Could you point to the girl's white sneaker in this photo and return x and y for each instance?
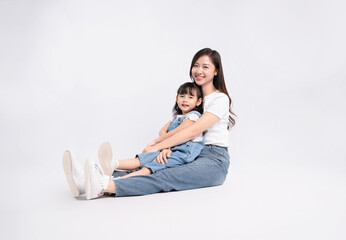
(95, 180)
(74, 173)
(106, 158)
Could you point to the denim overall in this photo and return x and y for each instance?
(181, 154)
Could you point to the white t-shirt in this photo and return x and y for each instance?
(217, 103)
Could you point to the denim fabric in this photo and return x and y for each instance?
(181, 154)
(209, 169)
(176, 121)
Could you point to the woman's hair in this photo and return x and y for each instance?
(188, 88)
(218, 81)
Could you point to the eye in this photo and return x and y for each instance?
(205, 67)
(195, 65)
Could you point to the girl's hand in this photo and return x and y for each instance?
(164, 154)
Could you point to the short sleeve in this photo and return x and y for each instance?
(219, 106)
(192, 116)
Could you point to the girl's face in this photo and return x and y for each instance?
(203, 71)
(187, 102)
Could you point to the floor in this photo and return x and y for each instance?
(272, 202)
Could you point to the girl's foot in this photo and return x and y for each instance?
(95, 180)
(74, 173)
(107, 160)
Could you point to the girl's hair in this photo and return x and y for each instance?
(218, 81)
(188, 88)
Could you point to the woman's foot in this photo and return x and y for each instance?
(95, 180)
(74, 173)
(107, 160)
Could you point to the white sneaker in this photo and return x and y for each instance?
(95, 180)
(74, 173)
(106, 158)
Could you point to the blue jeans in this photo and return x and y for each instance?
(181, 154)
(209, 169)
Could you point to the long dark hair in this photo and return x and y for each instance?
(187, 88)
(218, 81)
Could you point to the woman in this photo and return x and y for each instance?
(210, 167)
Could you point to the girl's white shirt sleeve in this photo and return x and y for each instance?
(192, 116)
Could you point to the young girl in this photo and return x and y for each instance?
(187, 109)
(210, 168)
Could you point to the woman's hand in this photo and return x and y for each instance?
(151, 149)
(152, 143)
(162, 157)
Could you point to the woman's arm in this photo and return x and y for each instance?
(202, 124)
(186, 123)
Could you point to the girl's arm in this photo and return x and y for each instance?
(202, 124)
(164, 129)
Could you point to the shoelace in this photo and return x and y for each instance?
(100, 175)
(100, 178)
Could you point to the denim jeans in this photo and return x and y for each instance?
(209, 169)
(181, 154)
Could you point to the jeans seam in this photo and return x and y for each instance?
(186, 150)
(217, 153)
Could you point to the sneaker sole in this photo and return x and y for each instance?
(87, 173)
(67, 165)
(105, 157)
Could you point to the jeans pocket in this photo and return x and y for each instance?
(220, 153)
(216, 152)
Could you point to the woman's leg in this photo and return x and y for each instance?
(111, 186)
(209, 169)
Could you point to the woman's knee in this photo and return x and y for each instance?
(216, 177)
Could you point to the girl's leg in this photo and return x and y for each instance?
(129, 164)
(142, 171)
(109, 164)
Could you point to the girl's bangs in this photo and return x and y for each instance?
(187, 90)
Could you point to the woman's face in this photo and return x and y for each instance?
(203, 71)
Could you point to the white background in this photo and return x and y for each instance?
(76, 73)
